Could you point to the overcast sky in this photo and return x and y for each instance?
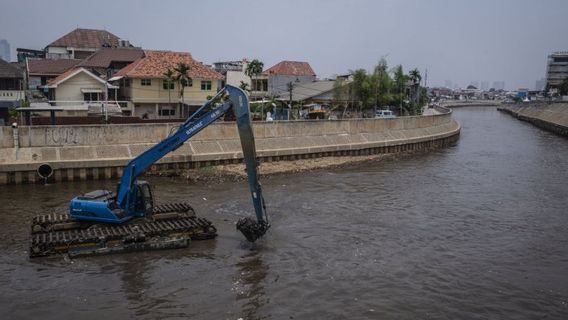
(462, 41)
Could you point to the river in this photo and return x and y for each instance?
(474, 231)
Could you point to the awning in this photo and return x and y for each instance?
(115, 78)
(92, 90)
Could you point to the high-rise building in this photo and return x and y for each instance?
(540, 84)
(557, 69)
(484, 85)
(4, 50)
(499, 85)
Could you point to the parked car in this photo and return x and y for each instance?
(384, 114)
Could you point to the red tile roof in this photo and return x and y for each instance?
(155, 63)
(50, 67)
(86, 38)
(291, 68)
(104, 57)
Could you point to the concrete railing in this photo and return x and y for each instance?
(87, 147)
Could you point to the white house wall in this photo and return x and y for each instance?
(70, 90)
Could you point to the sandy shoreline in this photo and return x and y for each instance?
(236, 172)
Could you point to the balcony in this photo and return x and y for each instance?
(11, 95)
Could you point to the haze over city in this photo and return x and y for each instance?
(461, 41)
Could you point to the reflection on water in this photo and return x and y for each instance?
(478, 230)
(249, 284)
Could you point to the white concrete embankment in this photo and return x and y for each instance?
(549, 116)
(100, 151)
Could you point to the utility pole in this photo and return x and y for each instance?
(290, 89)
(401, 95)
(105, 102)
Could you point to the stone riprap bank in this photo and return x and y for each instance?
(549, 116)
(101, 151)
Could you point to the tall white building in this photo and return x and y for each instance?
(5, 50)
(557, 69)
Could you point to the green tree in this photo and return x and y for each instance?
(342, 94)
(382, 85)
(362, 89)
(244, 86)
(400, 80)
(415, 78)
(183, 79)
(253, 69)
(170, 78)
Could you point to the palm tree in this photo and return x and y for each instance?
(183, 79)
(169, 75)
(415, 77)
(254, 68)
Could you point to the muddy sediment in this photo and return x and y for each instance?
(237, 172)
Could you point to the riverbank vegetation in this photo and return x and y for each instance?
(383, 88)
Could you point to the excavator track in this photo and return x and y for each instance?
(62, 221)
(171, 226)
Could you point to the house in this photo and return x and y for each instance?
(40, 71)
(80, 92)
(107, 61)
(234, 72)
(11, 88)
(151, 96)
(81, 43)
(276, 80)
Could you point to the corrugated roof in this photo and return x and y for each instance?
(305, 90)
(50, 67)
(8, 70)
(104, 57)
(291, 68)
(86, 38)
(155, 63)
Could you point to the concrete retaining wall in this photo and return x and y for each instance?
(552, 117)
(470, 103)
(100, 151)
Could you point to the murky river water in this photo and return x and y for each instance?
(476, 231)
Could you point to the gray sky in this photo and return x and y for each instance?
(457, 40)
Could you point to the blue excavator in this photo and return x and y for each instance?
(105, 222)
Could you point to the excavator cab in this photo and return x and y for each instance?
(144, 203)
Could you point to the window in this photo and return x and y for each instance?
(260, 85)
(165, 85)
(167, 111)
(187, 82)
(206, 85)
(90, 96)
(145, 82)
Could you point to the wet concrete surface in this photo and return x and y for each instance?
(475, 231)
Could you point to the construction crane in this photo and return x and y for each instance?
(102, 221)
